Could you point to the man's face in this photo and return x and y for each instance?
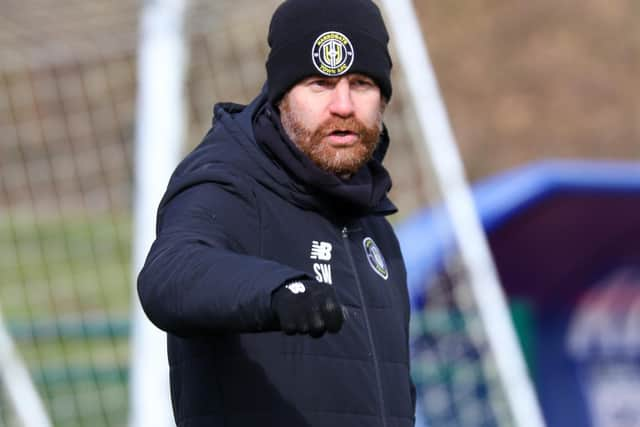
(336, 121)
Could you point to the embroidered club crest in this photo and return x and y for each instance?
(376, 260)
(332, 53)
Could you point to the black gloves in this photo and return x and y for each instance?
(307, 307)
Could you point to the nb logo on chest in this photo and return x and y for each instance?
(321, 251)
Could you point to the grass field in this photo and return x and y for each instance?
(65, 296)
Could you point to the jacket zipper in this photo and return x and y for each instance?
(376, 367)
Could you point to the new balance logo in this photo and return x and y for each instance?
(321, 250)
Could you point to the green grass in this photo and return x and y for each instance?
(65, 291)
(65, 266)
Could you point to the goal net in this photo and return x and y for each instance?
(67, 119)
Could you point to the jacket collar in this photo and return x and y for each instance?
(279, 165)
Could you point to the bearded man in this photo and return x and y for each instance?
(275, 274)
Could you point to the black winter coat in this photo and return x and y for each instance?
(233, 226)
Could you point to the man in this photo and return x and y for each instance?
(275, 274)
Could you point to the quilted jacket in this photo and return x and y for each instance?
(244, 213)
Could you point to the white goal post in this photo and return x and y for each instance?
(474, 250)
(21, 391)
(160, 133)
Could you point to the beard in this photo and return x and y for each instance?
(343, 161)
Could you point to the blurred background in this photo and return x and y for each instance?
(522, 81)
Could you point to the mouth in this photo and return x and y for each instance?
(342, 138)
(340, 132)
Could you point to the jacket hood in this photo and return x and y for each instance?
(231, 150)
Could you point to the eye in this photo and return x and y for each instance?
(320, 83)
(362, 82)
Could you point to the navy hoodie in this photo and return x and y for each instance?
(243, 213)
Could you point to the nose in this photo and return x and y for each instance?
(341, 102)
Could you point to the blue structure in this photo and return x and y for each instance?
(565, 236)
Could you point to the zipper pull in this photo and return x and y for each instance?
(345, 230)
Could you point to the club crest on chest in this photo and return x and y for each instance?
(375, 258)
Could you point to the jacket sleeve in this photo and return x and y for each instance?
(203, 273)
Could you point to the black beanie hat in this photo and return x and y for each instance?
(327, 37)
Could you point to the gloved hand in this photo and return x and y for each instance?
(307, 307)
